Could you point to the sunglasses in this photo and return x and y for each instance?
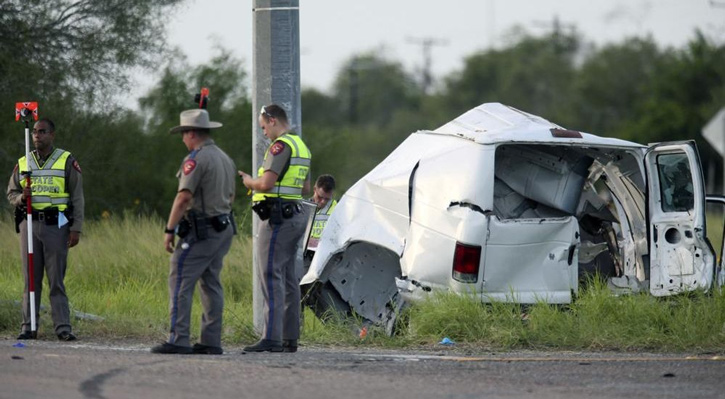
(264, 111)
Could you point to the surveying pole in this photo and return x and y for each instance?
(26, 110)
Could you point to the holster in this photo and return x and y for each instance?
(269, 209)
(19, 217)
(275, 212)
(184, 228)
(69, 214)
(261, 209)
(201, 227)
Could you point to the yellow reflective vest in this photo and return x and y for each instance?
(48, 181)
(289, 186)
(321, 217)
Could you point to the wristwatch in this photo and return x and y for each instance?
(169, 231)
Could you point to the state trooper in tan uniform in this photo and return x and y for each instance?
(201, 216)
(57, 201)
(281, 181)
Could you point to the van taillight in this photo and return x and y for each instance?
(466, 261)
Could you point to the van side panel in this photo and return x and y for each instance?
(532, 259)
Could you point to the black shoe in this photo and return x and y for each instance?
(201, 349)
(66, 336)
(265, 345)
(167, 348)
(289, 345)
(28, 335)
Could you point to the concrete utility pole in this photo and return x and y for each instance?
(276, 79)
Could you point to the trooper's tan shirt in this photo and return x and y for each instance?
(74, 185)
(277, 162)
(209, 174)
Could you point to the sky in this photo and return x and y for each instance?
(331, 31)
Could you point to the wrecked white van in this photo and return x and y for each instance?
(512, 207)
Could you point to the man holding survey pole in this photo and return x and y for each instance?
(56, 193)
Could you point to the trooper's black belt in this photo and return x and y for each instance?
(48, 215)
(219, 222)
(276, 209)
(288, 206)
(200, 225)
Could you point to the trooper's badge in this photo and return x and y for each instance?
(276, 148)
(189, 166)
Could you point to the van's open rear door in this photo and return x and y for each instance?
(681, 258)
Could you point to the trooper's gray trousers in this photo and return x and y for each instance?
(277, 275)
(199, 260)
(50, 255)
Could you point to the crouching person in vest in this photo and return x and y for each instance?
(57, 203)
(322, 195)
(278, 190)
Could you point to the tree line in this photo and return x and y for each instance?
(80, 61)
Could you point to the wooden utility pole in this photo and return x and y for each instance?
(426, 44)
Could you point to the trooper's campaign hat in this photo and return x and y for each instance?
(194, 119)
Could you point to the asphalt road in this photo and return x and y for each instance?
(50, 369)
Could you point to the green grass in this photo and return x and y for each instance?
(119, 272)
(596, 320)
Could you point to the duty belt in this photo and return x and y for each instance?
(201, 224)
(276, 209)
(48, 215)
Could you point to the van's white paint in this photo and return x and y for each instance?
(499, 178)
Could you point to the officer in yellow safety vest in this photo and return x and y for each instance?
(322, 195)
(278, 190)
(57, 203)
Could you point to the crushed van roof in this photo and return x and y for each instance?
(494, 123)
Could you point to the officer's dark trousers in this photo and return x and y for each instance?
(200, 261)
(277, 275)
(50, 254)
